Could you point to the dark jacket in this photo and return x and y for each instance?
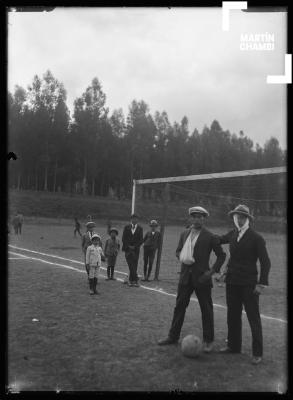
(152, 240)
(242, 269)
(129, 239)
(206, 242)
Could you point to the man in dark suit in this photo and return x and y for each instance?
(243, 286)
(194, 249)
(132, 239)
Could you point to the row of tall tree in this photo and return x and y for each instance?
(95, 152)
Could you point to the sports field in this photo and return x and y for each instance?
(62, 339)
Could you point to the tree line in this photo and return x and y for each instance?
(96, 152)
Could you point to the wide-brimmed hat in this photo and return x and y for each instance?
(241, 209)
(113, 230)
(96, 236)
(90, 224)
(198, 210)
(153, 223)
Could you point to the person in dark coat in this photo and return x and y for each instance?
(86, 241)
(243, 285)
(76, 227)
(194, 249)
(151, 242)
(132, 239)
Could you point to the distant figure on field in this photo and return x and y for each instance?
(17, 222)
(93, 261)
(132, 239)
(151, 244)
(77, 227)
(112, 247)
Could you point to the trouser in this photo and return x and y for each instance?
(87, 268)
(238, 296)
(19, 228)
(148, 259)
(93, 271)
(15, 229)
(132, 261)
(77, 230)
(204, 296)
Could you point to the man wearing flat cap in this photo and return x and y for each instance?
(86, 240)
(195, 246)
(132, 239)
(243, 285)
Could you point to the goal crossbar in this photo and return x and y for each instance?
(230, 174)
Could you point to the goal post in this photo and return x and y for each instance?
(165, 198)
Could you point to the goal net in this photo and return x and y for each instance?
(167, 200)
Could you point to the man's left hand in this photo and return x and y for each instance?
(259, 289)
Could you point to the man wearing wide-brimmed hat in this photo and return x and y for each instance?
(151, 242)
(243, 285)
(86, 240)
(195, 246)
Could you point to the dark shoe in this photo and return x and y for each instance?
(113, 279)
(167, 341)
(136, 284)
(107, 279)
(208, 347)
(256, 360)
(227, 350)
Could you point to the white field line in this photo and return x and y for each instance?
(18, 258)
(158, 290)
(58, 257)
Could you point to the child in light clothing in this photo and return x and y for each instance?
(93, 259)
(112, 247)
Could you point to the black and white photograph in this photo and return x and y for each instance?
(147, 199)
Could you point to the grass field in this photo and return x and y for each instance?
(108, 342)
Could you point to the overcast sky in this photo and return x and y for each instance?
(178, 60)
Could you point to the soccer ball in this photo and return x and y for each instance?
(191, 346)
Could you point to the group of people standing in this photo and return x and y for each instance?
(243, 283)
(132, 239)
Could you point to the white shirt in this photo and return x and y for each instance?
(93, 255)
(242, 229)
(133, 228)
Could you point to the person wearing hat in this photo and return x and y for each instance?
(194, 248)
(132, 239)
(93, 260)
(243, 285)
(151, 242)
(86, 240)
(112, 247)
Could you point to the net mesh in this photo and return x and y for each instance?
(265, 195)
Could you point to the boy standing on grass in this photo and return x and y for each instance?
(151, 243)
(93, 260)
(112, 247)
